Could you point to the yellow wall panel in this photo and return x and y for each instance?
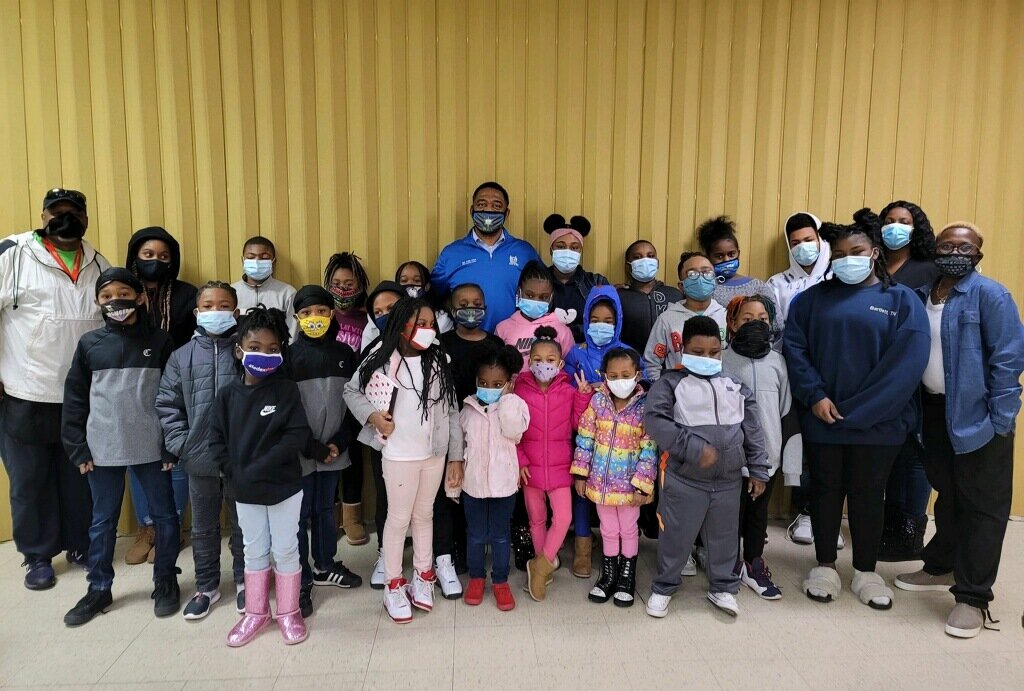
(362, 126)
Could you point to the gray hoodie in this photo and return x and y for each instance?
(665, 345)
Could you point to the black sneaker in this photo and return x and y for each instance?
(200, 604)
(306, 600)
(95, 602)
(39, 575)
(240, 599)
(166, 596)
(79, 559)
(338, 576)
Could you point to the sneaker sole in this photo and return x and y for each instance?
(757, 590)
(657, 613)
(961, 633)
(377, 586)
(689, 573)
(450, 596)
(915, 588)
(324, 584)
(623, 603)
(45, 586)
(420, 606)
(75, 624)
(730, 612)
(196, 617)
(399, 621)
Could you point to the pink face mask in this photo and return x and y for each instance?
(543, 371)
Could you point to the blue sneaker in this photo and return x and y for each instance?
(79, 559)
(756, 576)
(39, 575)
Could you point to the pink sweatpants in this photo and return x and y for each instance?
(546, 540)
(411, 487)
(619, 523)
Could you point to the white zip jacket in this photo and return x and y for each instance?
(43, 314)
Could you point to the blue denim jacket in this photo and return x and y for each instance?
(982, 357)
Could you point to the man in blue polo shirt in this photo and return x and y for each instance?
(488, 255)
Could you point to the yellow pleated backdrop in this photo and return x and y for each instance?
(365, 125)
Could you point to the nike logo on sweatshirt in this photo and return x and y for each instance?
(268, 410)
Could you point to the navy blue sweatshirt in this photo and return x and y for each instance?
(865, 348)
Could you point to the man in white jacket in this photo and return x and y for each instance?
(47, 280)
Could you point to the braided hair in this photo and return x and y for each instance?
(922, 240)
(434, 360)
(269, 318)
(732, 310)
(865, 223)
(350, 261)
(159, 301)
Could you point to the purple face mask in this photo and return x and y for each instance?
(543, 371)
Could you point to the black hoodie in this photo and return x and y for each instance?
(183, 295)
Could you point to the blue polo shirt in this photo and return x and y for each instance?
(494, 268)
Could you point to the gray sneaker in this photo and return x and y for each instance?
(965, 621)
(922, 581)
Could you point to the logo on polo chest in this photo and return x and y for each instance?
(513, 260)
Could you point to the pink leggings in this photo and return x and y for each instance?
(619, 523)
(411, 486)
(547, 541)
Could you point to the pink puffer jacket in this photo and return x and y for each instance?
(547, 444)
(491, 434)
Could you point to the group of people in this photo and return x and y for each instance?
(502, 402)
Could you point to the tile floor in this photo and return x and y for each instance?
(564, 643)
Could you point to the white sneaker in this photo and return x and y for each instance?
(657, 605)
(377, 580)
(691, 567)
(800, 530)
(840, 542)
(447, 579)
(396, 601)
(422, 591)
(725, 602)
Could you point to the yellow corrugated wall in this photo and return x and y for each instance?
(365, 125)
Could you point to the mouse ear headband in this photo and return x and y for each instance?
(557, 227)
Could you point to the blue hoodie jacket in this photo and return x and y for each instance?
(588, 358)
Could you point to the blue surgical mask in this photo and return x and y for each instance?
(699, 287)
(488, 396)
(566, 261)
(896, 235)
(470, 317)
(216, 322)
(488, 222)
(532, 309)
(258, 269)
(727, 269)
(852, 270)
(601, 334)
(806, 253)
(644, 269)
(704, 366)
(260, 365)
(380, 322)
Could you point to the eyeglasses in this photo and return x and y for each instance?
(965, 248)
(706, 273)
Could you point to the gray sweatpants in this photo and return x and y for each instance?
(684, 510)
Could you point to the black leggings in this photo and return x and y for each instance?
(754, 519)
(352, 476)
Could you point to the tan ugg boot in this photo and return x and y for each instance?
(144, 541)
(352, 524)
(581, 557)
(538, 573)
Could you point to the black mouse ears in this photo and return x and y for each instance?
(556, 221)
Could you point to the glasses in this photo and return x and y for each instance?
(706, 273)
(965, 248)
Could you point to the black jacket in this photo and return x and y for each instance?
(257, 435)
(573, 296)
(640, 310)
(183, 295)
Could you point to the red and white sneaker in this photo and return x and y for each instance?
(396, 601)
(422, 590)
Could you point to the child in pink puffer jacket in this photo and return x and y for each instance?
(545, 452)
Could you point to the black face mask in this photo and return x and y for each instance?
(954, 265)
(753, 340)
(65, 227)
(153, 269)
(119, 310)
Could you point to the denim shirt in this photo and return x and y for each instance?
(982, 357)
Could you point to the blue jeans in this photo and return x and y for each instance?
(489, 521)
(580, 515)
(270, 531)
(908, 489)
(317, 516)
(179, 483)
(107, 484)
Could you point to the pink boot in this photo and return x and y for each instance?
(289, 617)
(257, 609)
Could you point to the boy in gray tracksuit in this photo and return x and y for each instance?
(706, 425)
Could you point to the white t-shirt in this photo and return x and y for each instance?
(934, 377)
(411, 439)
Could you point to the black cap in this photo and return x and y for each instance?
(116, 273)
(59, 194)
(312, 295)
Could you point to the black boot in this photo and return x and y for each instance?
(901, 544)
(522, 546)
(166, 596)
(920, 527)
(306, 600)
(94, 602)
(605, 586)
(626, 585)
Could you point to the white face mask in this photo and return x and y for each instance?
(621, 388)
(422, 338)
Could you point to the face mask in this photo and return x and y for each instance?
(65, 227)
(422, 338)
(704, 366)
(260, 365)
(470, 317)
(566, 261)
(153, 269)
(119, 310)
(258, 269)
(543, 371)
(414, 291)
(621, 388)
(644, 269)
(215, 322)
(699, 287)
(343, 300)
(727, 269)
(532, 309)
(752, 340)
(806, 253)
(488, 222)
(381, 321)
(601, 334)
(316, 326)
(896, 235)
(954, 265)
(488, 396)
(852, 270)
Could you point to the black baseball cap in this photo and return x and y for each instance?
(59, 194)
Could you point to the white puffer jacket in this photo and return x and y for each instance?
(43, 314)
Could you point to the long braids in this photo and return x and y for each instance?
(160, 301)
(352, 262)
(434, 360)
(865, 223)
